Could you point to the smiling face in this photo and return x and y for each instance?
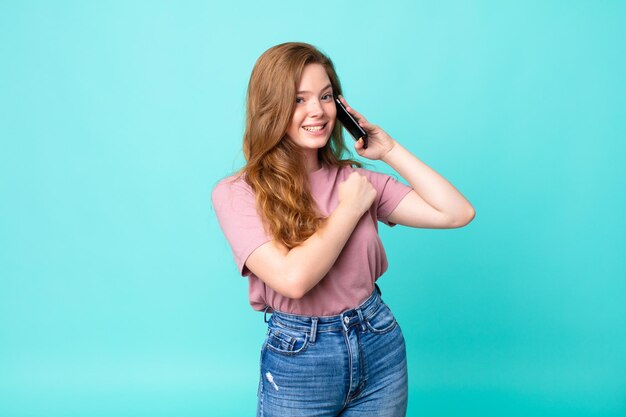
(313, 119)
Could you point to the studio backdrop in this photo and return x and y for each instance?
(119, 295)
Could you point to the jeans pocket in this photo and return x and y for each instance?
(382, 320)
(286, 341)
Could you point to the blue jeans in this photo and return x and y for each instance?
(351, 364)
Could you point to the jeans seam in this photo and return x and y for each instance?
(364, 365)
(261, 383)
(345, 338)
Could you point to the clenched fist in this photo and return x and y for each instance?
(357, 193)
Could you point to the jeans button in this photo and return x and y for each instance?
(346, 319)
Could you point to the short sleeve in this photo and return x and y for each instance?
(389, 194)
(235, 206)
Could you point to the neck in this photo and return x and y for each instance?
(311, 162)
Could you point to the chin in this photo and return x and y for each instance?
(318, 144)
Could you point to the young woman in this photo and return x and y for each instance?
(302, 224)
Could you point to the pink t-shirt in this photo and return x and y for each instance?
(361, 262)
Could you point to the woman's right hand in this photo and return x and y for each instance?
(357, 193)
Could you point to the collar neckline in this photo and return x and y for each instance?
(322, 168)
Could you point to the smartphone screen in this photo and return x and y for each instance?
(349, 123)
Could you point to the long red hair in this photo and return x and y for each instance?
(274, 167)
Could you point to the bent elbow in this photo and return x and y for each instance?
(297, 280)
(465, 220)
(295, 288)
(294, 292)
(460, 220)
(471, 215)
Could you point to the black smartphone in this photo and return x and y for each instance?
(349, 122)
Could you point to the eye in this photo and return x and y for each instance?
(299, 100)
(327, 96)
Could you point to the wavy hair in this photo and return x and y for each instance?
(274, 165)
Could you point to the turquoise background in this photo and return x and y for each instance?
(119, 295)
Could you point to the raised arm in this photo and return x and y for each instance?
(292, 273)
(434, 202)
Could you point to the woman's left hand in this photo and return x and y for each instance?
(379, 142)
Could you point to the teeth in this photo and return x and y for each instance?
(313, 128)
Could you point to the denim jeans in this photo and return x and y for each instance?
(351, 364)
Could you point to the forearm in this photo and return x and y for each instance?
(311, 261)
(426, 182)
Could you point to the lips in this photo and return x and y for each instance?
(315, 128)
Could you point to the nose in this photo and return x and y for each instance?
(315, 108)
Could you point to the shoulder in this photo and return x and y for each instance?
(346, 170)
(373, 176)
(232, 183)
(385, 183)
(231, 187)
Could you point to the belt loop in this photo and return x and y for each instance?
(313, 329)
(361, 319)
(265, 314)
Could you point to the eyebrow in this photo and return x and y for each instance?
(300, 92)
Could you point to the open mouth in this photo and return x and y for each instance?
(315, 129)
